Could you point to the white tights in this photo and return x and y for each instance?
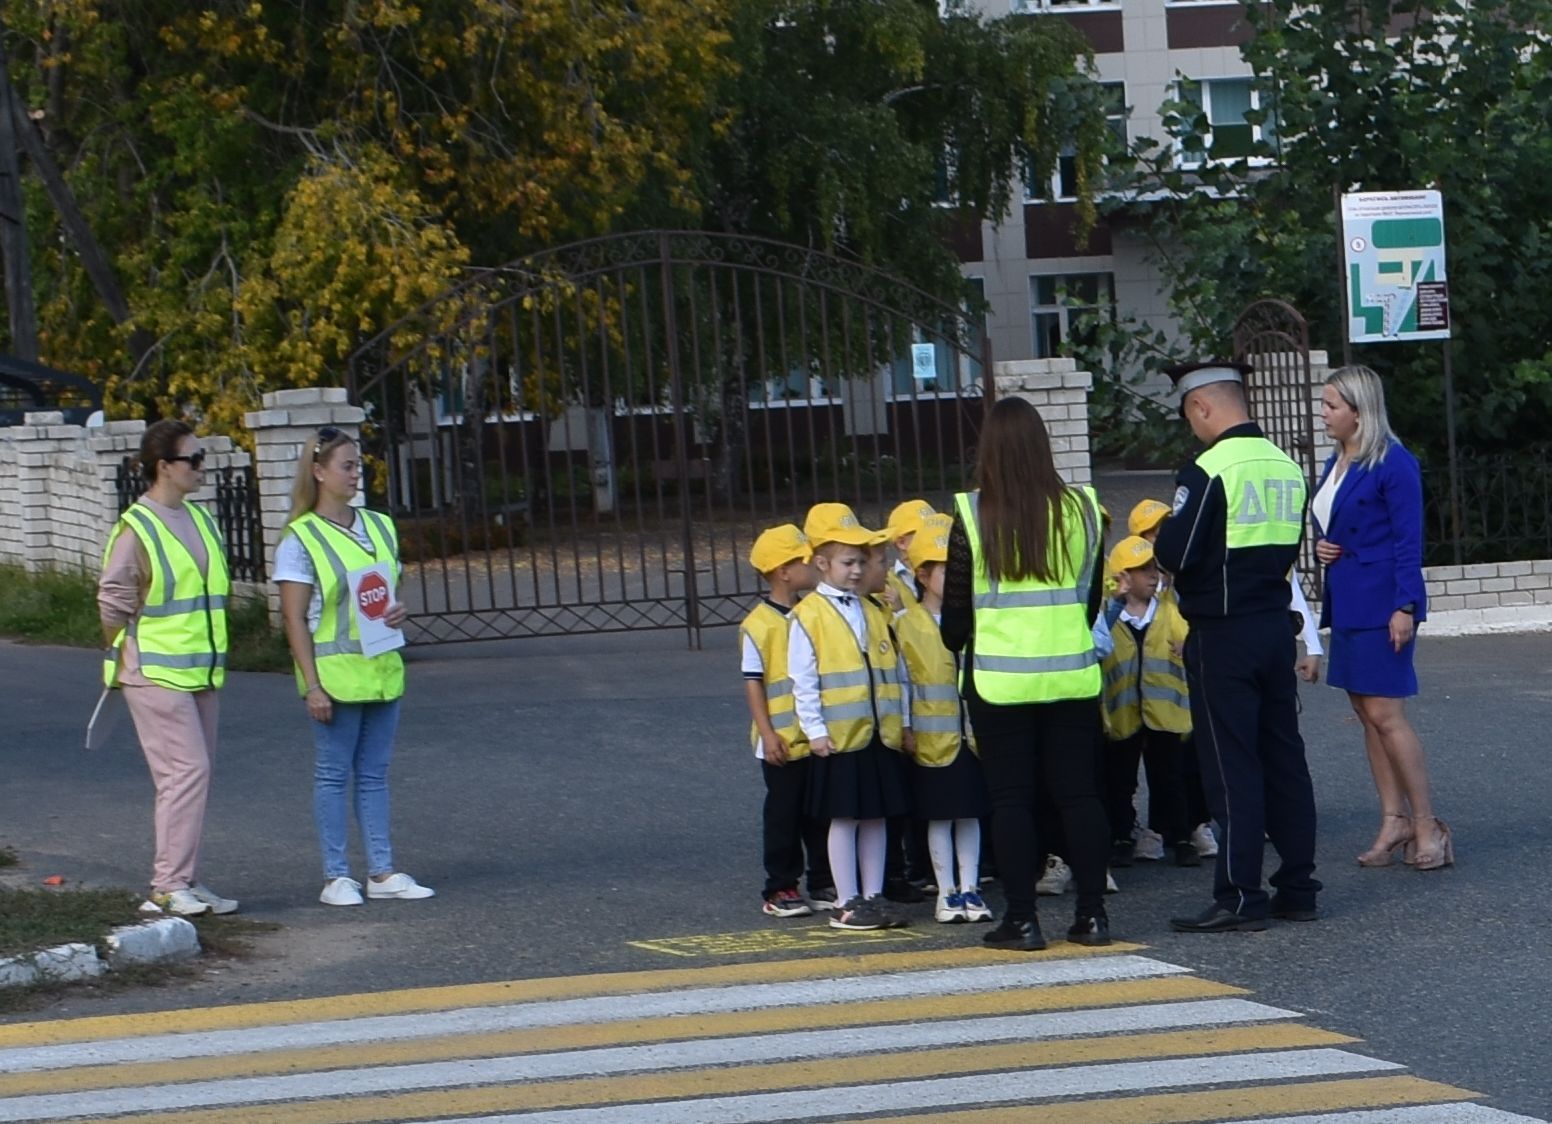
(947, 838)
(852, 841)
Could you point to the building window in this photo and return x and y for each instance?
(1063, 183)
(1227, 103)
(1029, 6)
(1062, 303)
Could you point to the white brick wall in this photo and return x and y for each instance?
(1489, 597)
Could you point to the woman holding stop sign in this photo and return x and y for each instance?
(352, 697)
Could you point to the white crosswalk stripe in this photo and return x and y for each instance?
(1071, 1036)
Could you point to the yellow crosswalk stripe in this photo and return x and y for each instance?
(595, 1035)
(419, 1000)
(868, 1069)
(1348, 1094)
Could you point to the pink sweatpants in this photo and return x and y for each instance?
(177, 732)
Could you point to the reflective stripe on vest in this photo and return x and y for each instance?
(1147, 689)
(1014, 616)
(767, 629)
(855, 687)
(1263, 488)
(181, 629)
(345, 674)
(938, 719)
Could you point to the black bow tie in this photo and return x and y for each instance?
(845, 598)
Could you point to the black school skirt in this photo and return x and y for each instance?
(956, 791)
(862, 784)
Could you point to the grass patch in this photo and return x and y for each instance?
(60, 607)
(34, 919)
(229, 937)
(9, 857)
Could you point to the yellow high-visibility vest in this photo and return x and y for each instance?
(181, 628)
(938, 718)
(345, 674)
(1033, 640)
(768, 629)
(855, 687)
(1154, 693)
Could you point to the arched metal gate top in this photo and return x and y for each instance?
(588, 439)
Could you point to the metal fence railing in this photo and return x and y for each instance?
(236, 508)
(1505, 507)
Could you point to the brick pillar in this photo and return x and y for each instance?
(1061, 393)
(1320, 370)
(286, 420)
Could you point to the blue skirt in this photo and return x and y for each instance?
(1362, 661)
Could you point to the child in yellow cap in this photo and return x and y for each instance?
(782, 557)
(905, 521)
(950, 792)
(849, 690)
(1147, 709)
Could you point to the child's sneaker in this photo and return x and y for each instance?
(786, 903)
(1110, 884)
(975, 907)
(823, 899)
(180, 903)
(215, 901)
(1204, 840)
(1149, 846)
(860, 914)
(1056, 879)
(951, 909)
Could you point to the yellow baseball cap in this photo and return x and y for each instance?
(777, 546)
(1129, 553)
(930, 543)
(1146, 516)
(907, 518)
(835, 522)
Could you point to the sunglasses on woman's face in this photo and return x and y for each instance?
(195, 461)
(325, 435)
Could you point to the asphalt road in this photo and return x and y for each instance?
(568, 796)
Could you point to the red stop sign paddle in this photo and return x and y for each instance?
(372, 596)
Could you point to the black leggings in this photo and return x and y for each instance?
(1048, 750)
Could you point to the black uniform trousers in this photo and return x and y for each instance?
(1245, 710)
(790, 831)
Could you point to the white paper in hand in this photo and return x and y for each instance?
(105, 718)
(371, 592)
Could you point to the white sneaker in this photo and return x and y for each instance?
(1110, 884)
(180, 903)
(1149, 846)
(215, 901)
(1056, 879)
(1204, 840)
(951, 908)
(342, 891)
(399, 885)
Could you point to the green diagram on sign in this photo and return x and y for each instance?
(1395, 263)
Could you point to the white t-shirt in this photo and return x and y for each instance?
(294, 564)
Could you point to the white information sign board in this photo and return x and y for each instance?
(1393, 254)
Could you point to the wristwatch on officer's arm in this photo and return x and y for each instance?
(1409, 608)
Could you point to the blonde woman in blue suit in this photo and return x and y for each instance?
(1368, 515)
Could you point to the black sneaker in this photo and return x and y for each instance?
(1121, 852)
(1185, 854)
(1090, 930)
(902, 891)
(1024, 936)
(859, 915)
(891, 919)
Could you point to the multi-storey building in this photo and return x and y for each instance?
(1035, 275)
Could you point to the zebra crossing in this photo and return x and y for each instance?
(962, 1036)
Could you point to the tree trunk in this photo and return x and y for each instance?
(13, 230)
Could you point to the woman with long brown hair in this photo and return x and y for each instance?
(1021, 589)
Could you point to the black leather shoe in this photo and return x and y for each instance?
(1094, 930)
(1185, 854)
(1121, 853)
(1285, 911)
(1216, 919)
(1025, 936)
(902, 891)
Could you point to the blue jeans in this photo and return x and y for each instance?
(360, 739)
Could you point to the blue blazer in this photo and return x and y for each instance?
(1377, 520)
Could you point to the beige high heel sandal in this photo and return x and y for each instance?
(1437, 859)
(1384, 856)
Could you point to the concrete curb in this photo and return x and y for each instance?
(151, 942)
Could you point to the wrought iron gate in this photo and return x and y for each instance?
(588, 440)
(1273, 337)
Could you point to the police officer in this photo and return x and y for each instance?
(1231, 541)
